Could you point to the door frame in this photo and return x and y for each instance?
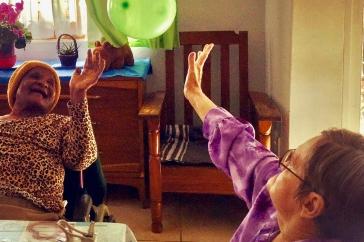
(352, 64)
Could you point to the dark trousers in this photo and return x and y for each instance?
(94, 184)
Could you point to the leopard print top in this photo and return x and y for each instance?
(35, 150)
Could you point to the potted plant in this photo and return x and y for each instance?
(67, 52)
(12, 33)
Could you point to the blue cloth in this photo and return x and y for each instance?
(141, 68)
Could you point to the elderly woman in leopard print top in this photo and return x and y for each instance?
(36, 145)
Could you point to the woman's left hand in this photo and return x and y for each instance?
(83, 80)
(192, 85)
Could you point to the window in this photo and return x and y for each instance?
(48, 19)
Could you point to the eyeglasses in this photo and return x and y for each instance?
(285, 162)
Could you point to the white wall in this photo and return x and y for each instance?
(322, 76)
(353, 65)
(317, 68)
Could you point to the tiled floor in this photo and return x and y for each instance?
(198, 218)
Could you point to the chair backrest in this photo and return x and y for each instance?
(223, 39)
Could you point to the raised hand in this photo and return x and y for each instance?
(83, 80)
(195, 69)
(192, 89)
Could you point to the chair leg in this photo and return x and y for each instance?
(155, 175)
(156, 195)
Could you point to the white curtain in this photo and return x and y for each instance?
(47, 19)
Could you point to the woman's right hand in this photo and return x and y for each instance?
(192, 85)
(83, 80)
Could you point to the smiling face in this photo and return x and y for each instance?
(283, 187)
(36, 91)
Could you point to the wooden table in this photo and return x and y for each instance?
(30, 231)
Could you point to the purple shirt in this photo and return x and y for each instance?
(234, 150)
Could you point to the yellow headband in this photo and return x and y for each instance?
(18, 75)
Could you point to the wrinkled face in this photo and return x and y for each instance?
(283, 187)
(36, 90)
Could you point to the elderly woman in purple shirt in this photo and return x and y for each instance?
(313, 193)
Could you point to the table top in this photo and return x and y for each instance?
(31, 231)
(140, 69)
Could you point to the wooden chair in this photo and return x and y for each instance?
(256, 107)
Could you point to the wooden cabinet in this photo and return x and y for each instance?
(114, 104)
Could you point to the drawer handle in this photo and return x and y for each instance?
(93, 122)
(94, 97)
(62, 97)
(67, 97)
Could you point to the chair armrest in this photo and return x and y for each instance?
(264, 107)
(266, 119)
(152, 105)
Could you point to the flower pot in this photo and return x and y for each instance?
(68, 60)
(7, 56)
(69, 57)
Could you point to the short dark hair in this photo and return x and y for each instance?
(335, 170)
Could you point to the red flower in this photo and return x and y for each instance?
(11, 30)
(5, 8)
(19, 6)
(8, 14)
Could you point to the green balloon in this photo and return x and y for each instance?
(142, 19)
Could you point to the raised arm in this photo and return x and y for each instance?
(79, 145)
(232, 145)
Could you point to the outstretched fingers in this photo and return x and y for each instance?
(191, 61)
(96, 59)
(88, 61)
(202, 57)
(77, 72)
(101, 63)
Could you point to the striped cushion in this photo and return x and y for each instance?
(184, 145)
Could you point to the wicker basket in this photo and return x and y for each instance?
(69, 59)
